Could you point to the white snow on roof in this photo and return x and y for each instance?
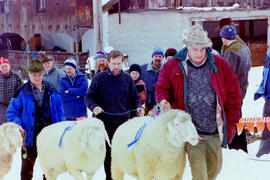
(105, 1)
(235, 6)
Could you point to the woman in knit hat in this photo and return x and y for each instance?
(9, 82)
(135, 73)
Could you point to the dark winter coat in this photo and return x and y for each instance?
(264, 89)
(73, 101)
(21, 109)
(172, 84)
(8, 86)
(54, 76)
(238, 55)
(150, 77)
(114, 94)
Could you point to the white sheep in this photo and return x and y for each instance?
(159, 153)
(10, 140)
(82, 148)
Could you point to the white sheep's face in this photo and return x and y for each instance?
(96, 139)
(190, 133)
(181, 129)
(11, 135)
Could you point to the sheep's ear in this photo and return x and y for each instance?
(174, 137)
(84, 140)
(106, 137)
(4, 138)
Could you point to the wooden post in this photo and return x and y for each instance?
(119, 11)
(98, 25)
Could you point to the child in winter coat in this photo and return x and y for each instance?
(135, 73)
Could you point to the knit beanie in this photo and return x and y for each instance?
(158, 51)
(228, 32)
(4, 60)
(100, 54)
(135, 67)
(196, 37)
(71, 62)
(170, 52)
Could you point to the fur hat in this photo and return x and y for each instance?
(228, 32)
(158, 51)
(135, 67)
(4, 60)
(170, 52)
(71, 62)
(100, 54)
(35, 66)
(196, 37)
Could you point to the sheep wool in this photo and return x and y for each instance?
(82, 148)
(159, 153)
(10, 140)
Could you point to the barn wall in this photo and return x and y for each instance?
(140, 33)
(67, 16)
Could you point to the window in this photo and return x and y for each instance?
(41, 6)
(4, 6)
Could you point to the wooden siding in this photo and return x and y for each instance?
(151, 4)
(73, 17)
(19, 60)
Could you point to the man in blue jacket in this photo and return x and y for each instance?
(35, 105)
(72, 88)
(264, 91)
(150, 72)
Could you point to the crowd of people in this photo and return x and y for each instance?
(210, 87)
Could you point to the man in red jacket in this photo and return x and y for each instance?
(205, 86)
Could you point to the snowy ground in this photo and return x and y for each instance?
(236, 164)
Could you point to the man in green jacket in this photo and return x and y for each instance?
(237, 54)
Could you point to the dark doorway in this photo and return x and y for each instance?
(253, 32)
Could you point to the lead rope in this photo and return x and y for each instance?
(24, 147)
(190, 154)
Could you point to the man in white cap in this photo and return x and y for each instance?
(72, 88)
(205, 86)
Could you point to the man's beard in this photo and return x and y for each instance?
(102, 67)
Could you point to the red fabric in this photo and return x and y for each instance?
(170, 86)
(3, 60)
(142, 94)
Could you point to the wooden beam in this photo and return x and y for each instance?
(98, 25)
(108, 5)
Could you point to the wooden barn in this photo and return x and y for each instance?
(30, 19)
(140, 25)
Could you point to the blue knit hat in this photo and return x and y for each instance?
(157, 51)
(100, 54)
(228, 32)
(71, 62)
